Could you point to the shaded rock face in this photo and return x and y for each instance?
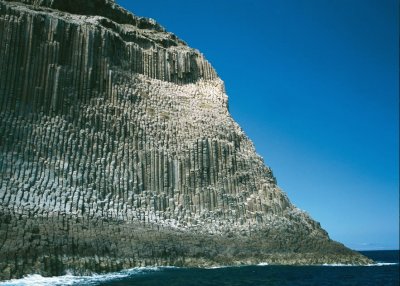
(117, 150)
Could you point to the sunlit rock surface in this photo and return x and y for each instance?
(117, 150)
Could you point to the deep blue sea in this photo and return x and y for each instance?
(384, 272)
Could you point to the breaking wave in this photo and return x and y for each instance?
(69, 279)
(355, 265)
(383, 264)
(263, 264)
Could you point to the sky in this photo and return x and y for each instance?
(315, 86)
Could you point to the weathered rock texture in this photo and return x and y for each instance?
(117, 150)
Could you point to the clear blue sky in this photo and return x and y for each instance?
(315, 85)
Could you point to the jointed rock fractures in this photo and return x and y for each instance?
(117, 150)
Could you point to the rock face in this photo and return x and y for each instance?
(117, 150)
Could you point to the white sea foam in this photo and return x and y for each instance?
(338, 265)
(217, 267)
(38, 280)
(262, 264)
(355, 265)
(383, 264)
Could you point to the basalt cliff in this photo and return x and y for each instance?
(117, 150)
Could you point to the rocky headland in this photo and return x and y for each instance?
(117, 150)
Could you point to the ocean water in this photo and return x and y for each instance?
(384, 272)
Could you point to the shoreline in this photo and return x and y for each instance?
(103, 277)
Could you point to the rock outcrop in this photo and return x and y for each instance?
(117, 150)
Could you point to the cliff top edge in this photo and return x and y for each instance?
(104, 8)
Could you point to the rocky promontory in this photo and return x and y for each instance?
(117, 150)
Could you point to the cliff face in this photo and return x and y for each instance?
(117, 150)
